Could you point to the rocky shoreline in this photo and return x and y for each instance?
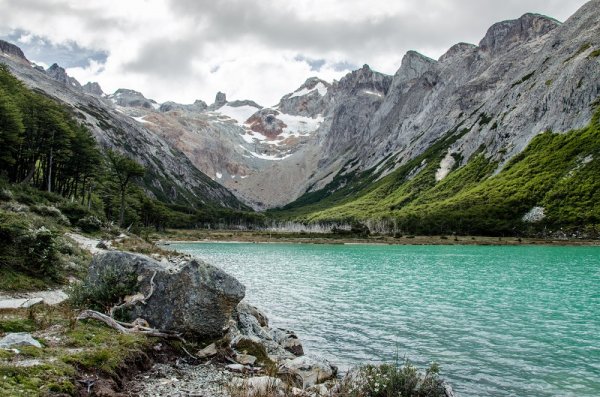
(194, 335)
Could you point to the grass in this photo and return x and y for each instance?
(70, 348)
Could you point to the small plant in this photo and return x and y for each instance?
(392, 380)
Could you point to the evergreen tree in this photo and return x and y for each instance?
(124, 170)
(11, 130)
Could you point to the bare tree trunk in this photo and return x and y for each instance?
(50, 165)
(122, 212)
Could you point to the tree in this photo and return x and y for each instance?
(124, 170)
(11, 130)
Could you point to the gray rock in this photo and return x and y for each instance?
(208, 351)
(12, 50)
(133, 99)
(92, 88)
(311, 370)
(250, 323)
(220, 100)
(195, 299)
(245, 359)
(17, 339)
(17, 303)
(59, 74)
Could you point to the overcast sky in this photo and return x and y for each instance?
(184, 50)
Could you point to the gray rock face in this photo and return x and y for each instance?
(196, 299)
(504, 35)
(197, 106)
(130, 98)
(312, 370)
(92, 88)
(59, 74)
(17, 339)
(12, 50)
(220, 100)
(310, 99)
(250, 323)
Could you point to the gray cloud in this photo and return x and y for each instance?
(166, 57)
(184, 49)
(437, 24)
(67, 55)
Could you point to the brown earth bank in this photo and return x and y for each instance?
(178, 235)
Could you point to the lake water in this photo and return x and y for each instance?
(501, 321)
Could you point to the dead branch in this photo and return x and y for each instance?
(134, 329)
(134, 298)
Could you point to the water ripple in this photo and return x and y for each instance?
(501, 321)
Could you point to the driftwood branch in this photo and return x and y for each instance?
(124, 327)
(152, 285)
(134, 299)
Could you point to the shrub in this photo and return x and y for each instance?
(52, 212)
(90, 224)
(108, 291)
(392, 380)
(28, 250)
(74, 211)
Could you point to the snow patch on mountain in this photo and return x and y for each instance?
(320, 88)
(238, 113)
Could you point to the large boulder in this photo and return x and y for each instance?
(193, 297)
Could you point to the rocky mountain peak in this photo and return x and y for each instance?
(93, 88)
(12, 50)
(197, 107)
(58, 73)
(220, 99)
(414, 65)
(504, 35)
(131, 98)
(365, 79)
(457, 50)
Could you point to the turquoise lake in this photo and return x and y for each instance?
(500, 321)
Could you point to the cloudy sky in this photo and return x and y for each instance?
(184, 50)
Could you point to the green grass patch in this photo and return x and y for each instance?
(87, 346)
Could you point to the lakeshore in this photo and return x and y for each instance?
(231, 236)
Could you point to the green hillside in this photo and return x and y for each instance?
(557, 171)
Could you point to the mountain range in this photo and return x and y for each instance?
(371, 145)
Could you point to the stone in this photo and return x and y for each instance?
(312, 370)
(194, 298)
(208, 351)
(248, 322)
(237, 367)
(16, 339)
(17, 303)
(245, 359)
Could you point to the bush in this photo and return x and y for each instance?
(90, 224)
(28, 250)
(52, 212)
(74, 211)
(108, 291)
(392, 380)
